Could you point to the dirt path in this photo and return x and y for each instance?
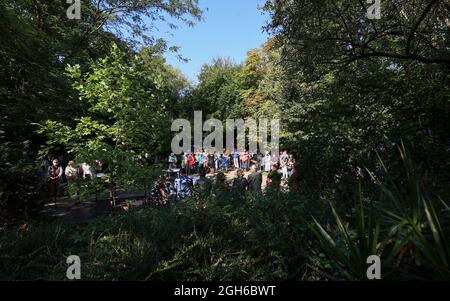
(72, 211)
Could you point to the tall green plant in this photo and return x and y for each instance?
(350, 249)
(409, 232)
(415, 219)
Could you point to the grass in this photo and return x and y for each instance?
(215, 239)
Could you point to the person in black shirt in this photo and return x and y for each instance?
(203, 186)
(274, 179)
(254, 180)
(240, 182)
(211, 163)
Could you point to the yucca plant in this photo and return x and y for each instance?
(409, 232)
(350, 249)
(417, 225)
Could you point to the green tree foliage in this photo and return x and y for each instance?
(353, 86)
(127, 115)
(37, 41)
(176, 85)
(248, 90)
(217, 93)
(261, 82)
(319, 35)
(19, 191)
(346, 88)
(137, 17)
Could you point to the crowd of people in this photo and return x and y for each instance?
(55, 171)
(280, 169)
(214, 161)
(192, 170)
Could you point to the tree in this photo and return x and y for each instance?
(37, 41)
(217, 93)
(353, 86)
(320, 35)
(260, 77)
(127, 116)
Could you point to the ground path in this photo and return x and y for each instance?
(73, 211)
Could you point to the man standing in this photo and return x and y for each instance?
(240, 182)
(274, 179)
(225, 162)
(217, 161)
(201, 161)
(275, 160)
(221, 183)
(236, 159)
(185, 162)
(203, 185)
(211, 163)
(291, 165)
(173, 161)
(86, 169)
(261, 162)
(183, 185)
(254, 180)
(191, 162)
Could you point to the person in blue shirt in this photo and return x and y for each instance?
(225, 162)
(183, 185)
(201, 160)
(236, 159)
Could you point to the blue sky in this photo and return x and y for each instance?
(230, 28)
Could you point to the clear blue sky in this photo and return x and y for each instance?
(230, 28)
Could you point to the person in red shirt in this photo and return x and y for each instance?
(191, 161)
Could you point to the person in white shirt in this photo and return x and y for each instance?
(71, 171)
(87, 171)
(267, 162)
(284, 159)
(173, 161)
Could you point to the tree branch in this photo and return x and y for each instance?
(416, 26)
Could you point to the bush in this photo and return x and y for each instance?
(244, 237)
(18, 181)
